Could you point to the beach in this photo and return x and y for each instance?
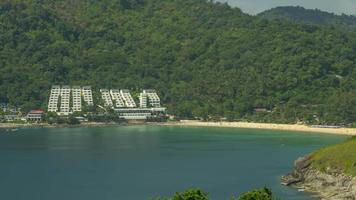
(195, 123)
(268, 126)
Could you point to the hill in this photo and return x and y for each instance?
(343, 159)
(328, 172)
(311, 16)
(204, 58)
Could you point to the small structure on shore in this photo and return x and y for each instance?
(8, 108)
(12, 117)
(35, 116)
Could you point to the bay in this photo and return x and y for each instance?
(142, 162)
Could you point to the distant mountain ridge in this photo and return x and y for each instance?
(311, 16)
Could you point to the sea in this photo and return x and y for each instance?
(142, 162)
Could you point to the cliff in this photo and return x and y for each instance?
(329, 184)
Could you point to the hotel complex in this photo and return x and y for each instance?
(125, 106)
(66, 100)
(63, 94)
(77, 99)
(88, 95)
(105, 95)
(54, 98)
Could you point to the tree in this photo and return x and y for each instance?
(192, 194)
(72, 120)
(206, 59)
(262, 194)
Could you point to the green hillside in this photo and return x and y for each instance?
(310, 16)
(205, 59)
(343, 158)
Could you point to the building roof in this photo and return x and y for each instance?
(39, 111)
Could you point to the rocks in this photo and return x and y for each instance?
(302, 164)
(289, 180)
(330, 185)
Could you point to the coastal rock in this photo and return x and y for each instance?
(329, 185)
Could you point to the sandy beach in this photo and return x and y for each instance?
(285, 127)
(194, 123)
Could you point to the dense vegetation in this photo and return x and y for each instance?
(205, 59)
(340, 158)
(302, 15)
(196, 194)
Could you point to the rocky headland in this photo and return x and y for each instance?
(327, 185)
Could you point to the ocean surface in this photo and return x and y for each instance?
(142, 162)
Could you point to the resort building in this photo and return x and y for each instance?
(126, 96)
(153, 98)
(105, 95)
(63, 97)
(53, 98)
(12, 118)
(120, 100)
(7, 108)
(35, 115)
(87, 95)
(77, 99)
(144, 112)
(139, 113)
(3, 107)
(65, 100)
(116, 97)
(143, 100)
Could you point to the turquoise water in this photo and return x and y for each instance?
(140, 162)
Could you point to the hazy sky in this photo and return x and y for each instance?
(256, 6)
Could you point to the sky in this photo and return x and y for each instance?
(335, 6)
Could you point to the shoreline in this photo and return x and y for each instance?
(194, 123)
(45, 125)
(322, 184)
(264, 126)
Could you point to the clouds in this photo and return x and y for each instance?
(256, 6)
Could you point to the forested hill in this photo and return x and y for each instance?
(311, 16)
(205, 59)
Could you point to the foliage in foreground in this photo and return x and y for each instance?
(340, 157)
(262, 194)
(197, 194)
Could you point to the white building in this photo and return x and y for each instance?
(126, 96)
(153, 98)
(53, 98)
(105, 95)
(143, 100)
(116, 97)
(139, 113)
(65, 100)
(88, 95)
(77, 99)
(35, 115)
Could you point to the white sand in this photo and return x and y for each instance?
(286, 127)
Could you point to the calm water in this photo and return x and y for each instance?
(139, 162)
